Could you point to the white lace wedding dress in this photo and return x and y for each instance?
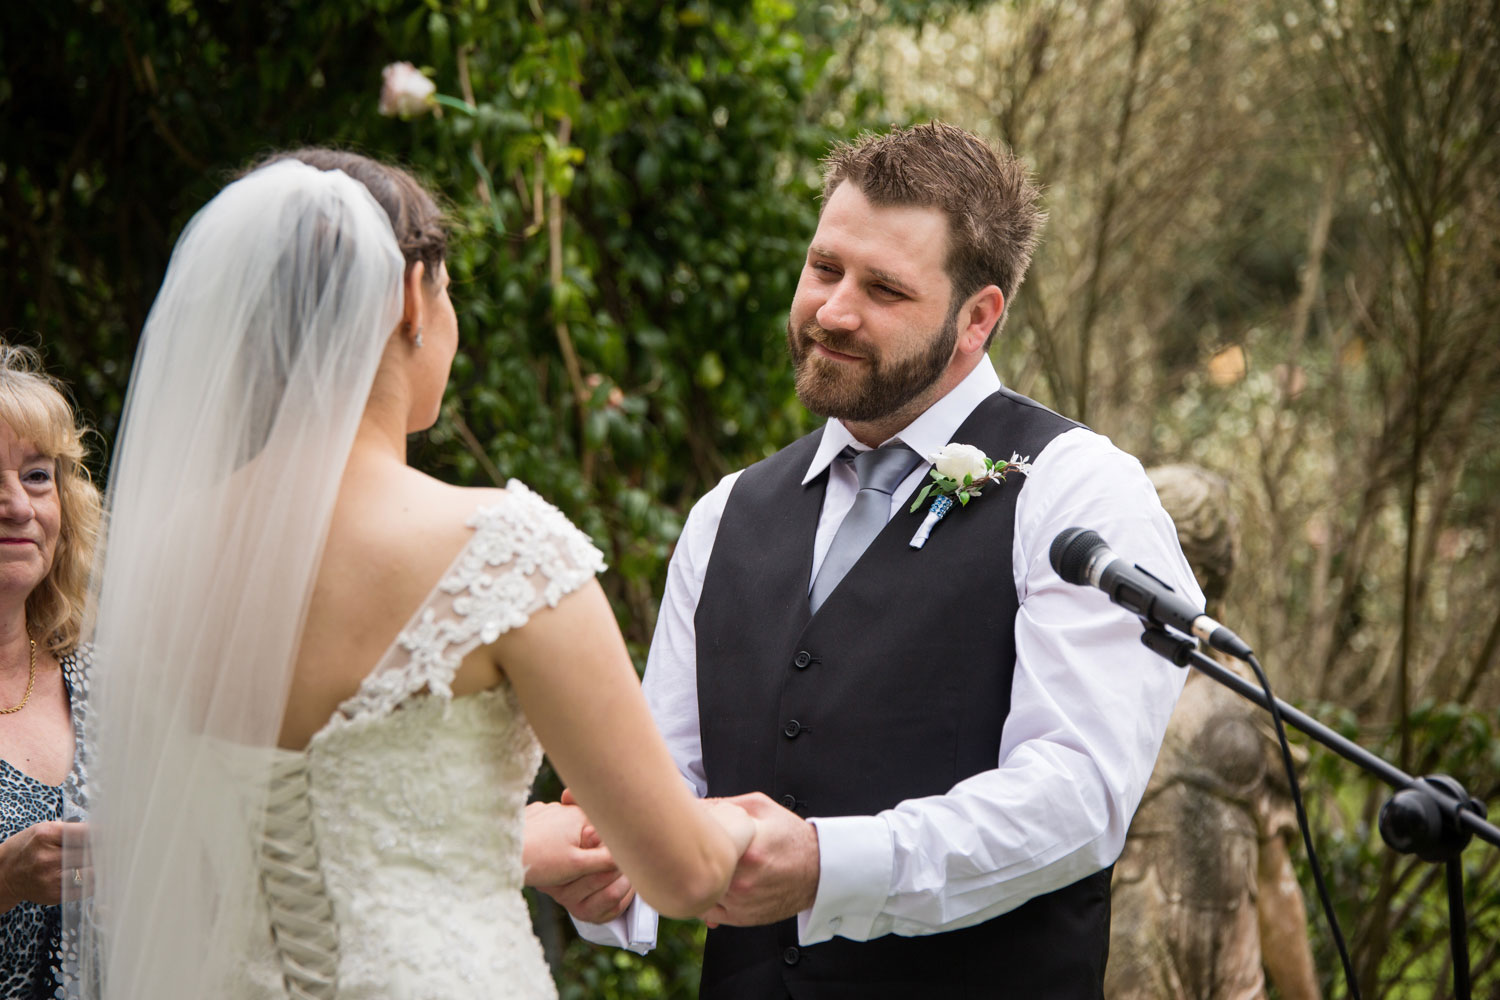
(391, 860)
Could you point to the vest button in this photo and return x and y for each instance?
(791, 956)
(803, 659)
(792, 729)
(789, 800)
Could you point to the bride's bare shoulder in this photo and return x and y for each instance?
(407, 519)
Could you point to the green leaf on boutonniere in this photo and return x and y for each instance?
(921, 496)
(963, 499)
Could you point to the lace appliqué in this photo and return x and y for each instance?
(524, 555)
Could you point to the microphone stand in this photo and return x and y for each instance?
(1431, 817)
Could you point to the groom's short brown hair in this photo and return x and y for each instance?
(994, 221)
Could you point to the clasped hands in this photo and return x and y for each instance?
(776, 877)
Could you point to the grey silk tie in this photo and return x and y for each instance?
(880, 471)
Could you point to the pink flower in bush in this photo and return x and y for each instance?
(405, 91)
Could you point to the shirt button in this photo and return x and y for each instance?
(792, 729)
(803, 659)
(791, 956)
(835, 923)
(789, 800)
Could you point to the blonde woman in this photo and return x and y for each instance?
(49, 520)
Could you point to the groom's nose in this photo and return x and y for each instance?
(839, 310)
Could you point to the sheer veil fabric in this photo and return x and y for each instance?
(253, 370)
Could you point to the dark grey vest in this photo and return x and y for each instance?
(898, 688)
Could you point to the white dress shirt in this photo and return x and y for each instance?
(1089, 703)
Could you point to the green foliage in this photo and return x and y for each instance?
(117, 121)
(1372, 884)
(611, 974)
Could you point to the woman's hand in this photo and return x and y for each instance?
(559, 845)
(735, 821)
(565, 859)
(32, 865)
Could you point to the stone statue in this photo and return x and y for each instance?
(1205, 900)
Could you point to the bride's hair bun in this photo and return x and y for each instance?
(419, 223)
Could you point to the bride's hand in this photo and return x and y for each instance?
(564, 858)
(559, 846)
(735, 821)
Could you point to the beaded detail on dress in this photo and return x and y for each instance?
(413, 798)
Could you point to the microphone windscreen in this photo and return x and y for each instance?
(1071, 550)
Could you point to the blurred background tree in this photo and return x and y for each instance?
(1273, 251)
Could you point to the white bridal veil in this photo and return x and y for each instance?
(253, 371)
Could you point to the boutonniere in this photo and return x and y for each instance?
(958, 471)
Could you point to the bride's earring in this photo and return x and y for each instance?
(417, 341)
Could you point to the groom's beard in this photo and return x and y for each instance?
(872, 390)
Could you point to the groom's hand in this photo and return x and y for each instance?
(565, 859)
(777, 876)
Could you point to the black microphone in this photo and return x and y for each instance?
(1080, 556)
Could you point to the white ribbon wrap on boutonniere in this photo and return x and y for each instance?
(958, 471)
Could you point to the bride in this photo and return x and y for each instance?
(320, 671)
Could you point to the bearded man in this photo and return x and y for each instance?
(943, 746)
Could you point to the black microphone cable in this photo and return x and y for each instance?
(1302, 824)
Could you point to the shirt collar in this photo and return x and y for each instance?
(932, 429)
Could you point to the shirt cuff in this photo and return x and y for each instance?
(855, 858)
(634, 930)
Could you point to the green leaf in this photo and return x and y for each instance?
(963, 499)
(455, 103)
(920, 497)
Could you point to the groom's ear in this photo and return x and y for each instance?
(977, 317)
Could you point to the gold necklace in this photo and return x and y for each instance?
(30, 681)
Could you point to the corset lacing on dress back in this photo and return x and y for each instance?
(302, 918)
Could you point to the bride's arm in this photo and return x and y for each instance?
(573, 676)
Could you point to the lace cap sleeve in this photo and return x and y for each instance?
(525, 555)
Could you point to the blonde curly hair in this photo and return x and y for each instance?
(33, 405)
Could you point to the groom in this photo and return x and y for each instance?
(943, 745)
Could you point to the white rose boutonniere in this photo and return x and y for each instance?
(955, 461)
(958, 471)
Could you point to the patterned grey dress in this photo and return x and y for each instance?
(30, 934)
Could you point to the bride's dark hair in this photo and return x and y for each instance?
(418, 221)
